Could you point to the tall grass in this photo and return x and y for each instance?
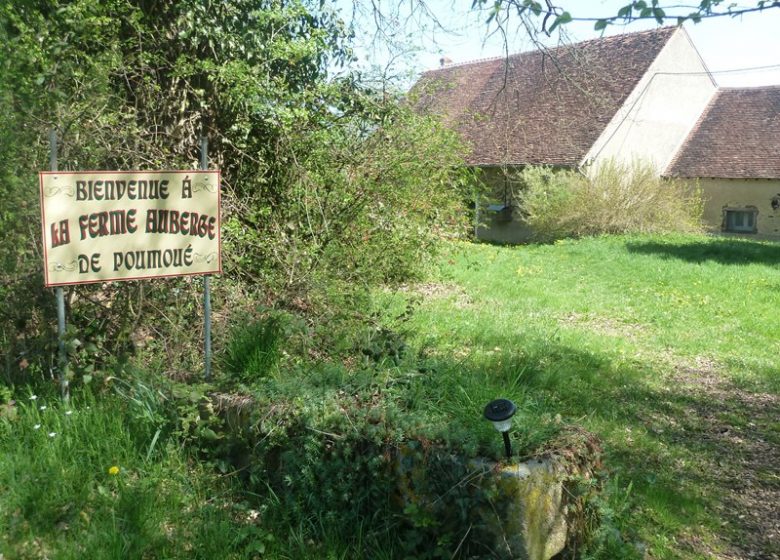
(254, 347)
(77, 482)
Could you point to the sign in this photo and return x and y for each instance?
(100, 226)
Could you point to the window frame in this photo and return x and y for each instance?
(750, 211)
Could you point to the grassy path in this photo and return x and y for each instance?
(666, 347)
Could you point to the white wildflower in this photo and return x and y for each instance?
(42, 407)
(33, 397)
(68, 412)
(52, 434)
(36, 427)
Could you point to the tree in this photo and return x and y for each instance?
(318, 178)
(547, 16)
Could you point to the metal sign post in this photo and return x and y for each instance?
(204, 165)
(59, 294)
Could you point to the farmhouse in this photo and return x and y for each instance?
(634, 96)
(734, 151)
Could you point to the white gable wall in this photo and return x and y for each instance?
(661, 111)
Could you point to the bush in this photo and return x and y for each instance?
(614, 198)
(324, 453)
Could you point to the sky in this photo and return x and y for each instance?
(726, 44)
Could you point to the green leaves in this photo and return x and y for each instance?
(638, 9)
(535, 7)
(626, 13)
(326, 181)
(564, 18)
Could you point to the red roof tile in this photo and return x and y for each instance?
(539, 107)
(737, 137)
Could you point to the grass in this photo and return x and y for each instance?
(656, 344)
(663, 346)
(96, 479)
(620, 301)
(59, 499)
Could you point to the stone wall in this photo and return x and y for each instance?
(508, 510)
(759, 195)
(520, 510)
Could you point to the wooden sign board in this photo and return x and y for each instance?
(100, 226)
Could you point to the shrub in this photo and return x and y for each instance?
(613, 198)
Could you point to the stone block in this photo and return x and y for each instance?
(531, 522)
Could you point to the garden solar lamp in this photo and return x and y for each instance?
(500, 412)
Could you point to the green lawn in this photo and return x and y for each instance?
(89, 480)
(666, 347)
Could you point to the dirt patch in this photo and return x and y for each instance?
(603, 325)
(436, 290)
(741, 430)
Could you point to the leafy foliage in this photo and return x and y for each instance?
(553, 15)
(334, 450)
(328, 185)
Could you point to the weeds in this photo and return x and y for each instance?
(255, 346)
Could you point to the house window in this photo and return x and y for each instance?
(740, 221)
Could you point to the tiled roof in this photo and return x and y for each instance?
(539, 107)
(737, 137)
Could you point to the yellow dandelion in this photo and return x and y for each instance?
(113, 470)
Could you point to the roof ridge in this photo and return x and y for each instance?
(468, 62)
(665, 28)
